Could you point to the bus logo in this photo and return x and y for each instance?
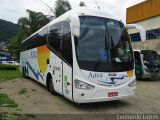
(33, 54)
(112, 74)
(95, 75)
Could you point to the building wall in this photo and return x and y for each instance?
(146, 14)
(149, 45)
(148, 24)
(142, 11)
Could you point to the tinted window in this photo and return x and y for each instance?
(66, 43)
(36, 40)
(150, 34)
(153, 34)
(150, 55)
(60, 41)
(103, 45)
(137, 58)
(135, 37)
(92, 38)
(55, 37)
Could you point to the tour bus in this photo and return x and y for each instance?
(147, 64)
(84, 55)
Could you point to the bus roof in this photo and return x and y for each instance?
(80, 11)
(83, 11)
(139, 50)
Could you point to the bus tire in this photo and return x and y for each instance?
(25, 72)
(50, 85)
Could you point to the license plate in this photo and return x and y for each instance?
(112, 94)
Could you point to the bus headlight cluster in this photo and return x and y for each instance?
(82, 85)
(133, 83)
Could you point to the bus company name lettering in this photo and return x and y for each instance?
(95, 75)
(112, 75)
(56, 68)
(33, 54)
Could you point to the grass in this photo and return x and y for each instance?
(5, 101)
(9, 75)
(18, 109)
(34, 90)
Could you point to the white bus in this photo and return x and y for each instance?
(84, 55)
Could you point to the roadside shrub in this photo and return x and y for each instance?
(8, 67)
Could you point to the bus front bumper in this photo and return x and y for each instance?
(151, 75)
(102, 95)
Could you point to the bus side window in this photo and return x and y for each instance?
(137, 58)
(35, 41)
(55, 36)
(66, 43)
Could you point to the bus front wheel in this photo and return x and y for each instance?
(51, 86)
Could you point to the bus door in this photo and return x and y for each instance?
(58, 75)
(55, 40)
(138, 64)
(67, 60)
(60, 41)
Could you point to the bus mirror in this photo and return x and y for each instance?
(142, 56)
(75, 25)
(140, 29)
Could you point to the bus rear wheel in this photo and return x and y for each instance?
(24, 70)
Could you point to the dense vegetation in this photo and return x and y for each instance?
(7, 30)
(27, 26)
(8, 67)
(35, 21)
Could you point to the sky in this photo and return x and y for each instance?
(12, 10)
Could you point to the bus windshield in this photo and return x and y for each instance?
(151, 58)
(104, 45)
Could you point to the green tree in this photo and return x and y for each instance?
(33, 22)
(82, 3)
(28, 25)
(61, 6)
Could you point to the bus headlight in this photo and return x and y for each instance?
(82, 85)
(133, 83)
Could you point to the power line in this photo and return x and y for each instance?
(97, 4)
(48, 6)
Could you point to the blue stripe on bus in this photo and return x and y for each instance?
(107, 82)
(35, 74)
(112, 80)
(120, 78)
